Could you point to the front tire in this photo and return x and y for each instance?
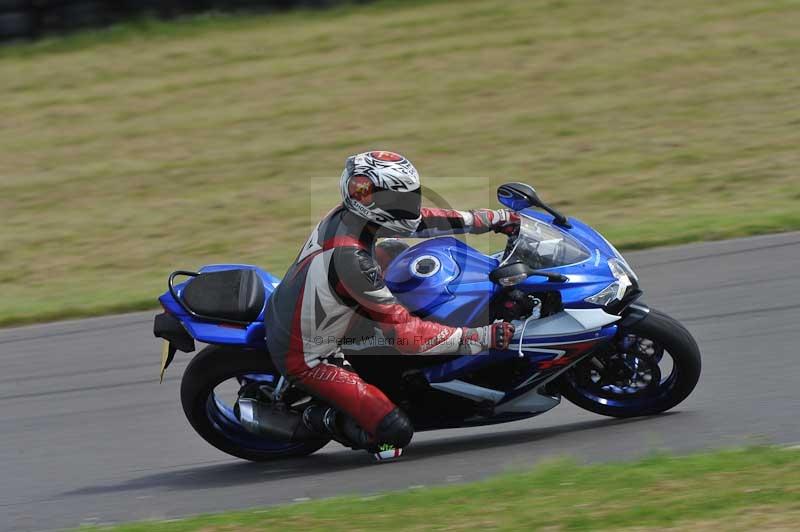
(662, 335)
(214, 421)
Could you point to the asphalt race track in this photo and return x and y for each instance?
(87, 434)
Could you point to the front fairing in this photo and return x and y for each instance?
(545, 347)
(587, 277)
(541, 246)
(459, 291)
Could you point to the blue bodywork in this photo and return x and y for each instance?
(460, 291)
(445, 280)
(457, 294)
(208, 332)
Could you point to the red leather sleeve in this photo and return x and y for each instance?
(437, 222)
(443, 221)
(359, 281)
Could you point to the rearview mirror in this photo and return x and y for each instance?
(510, 274)
(517, 196)
(516, 272)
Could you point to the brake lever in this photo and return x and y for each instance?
(522, 336)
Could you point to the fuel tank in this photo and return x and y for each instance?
(445, 280)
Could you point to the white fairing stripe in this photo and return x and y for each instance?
(469, 391)
(570, 321)
(592, 318)
(532, 401)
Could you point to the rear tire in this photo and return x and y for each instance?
(212, 366)
(677, 341)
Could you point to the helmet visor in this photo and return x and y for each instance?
(401, 204)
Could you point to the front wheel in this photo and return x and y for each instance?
(653, 366)
(209, 389)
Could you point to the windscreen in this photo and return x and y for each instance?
(541, 246)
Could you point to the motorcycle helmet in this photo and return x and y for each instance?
(383, 187)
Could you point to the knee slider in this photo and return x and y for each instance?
(395, 428)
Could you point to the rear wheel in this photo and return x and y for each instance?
(653, 366)
(208, 392)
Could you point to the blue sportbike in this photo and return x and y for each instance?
(581, 333)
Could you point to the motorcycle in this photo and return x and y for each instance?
(581, 334)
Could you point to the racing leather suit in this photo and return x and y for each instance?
(335, 278)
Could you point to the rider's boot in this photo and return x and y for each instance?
(393, 433)
(322, 420)
(342, 428)
(385, 452)
(326, 420)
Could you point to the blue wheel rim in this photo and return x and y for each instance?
(221, 417)
(631, 401)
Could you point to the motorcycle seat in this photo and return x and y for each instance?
(236, 295)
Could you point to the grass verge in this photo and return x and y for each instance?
(130, 152)
(755, 488)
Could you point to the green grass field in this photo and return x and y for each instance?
(741, 490)
(128, 153)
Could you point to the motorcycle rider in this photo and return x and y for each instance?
(336, 278)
